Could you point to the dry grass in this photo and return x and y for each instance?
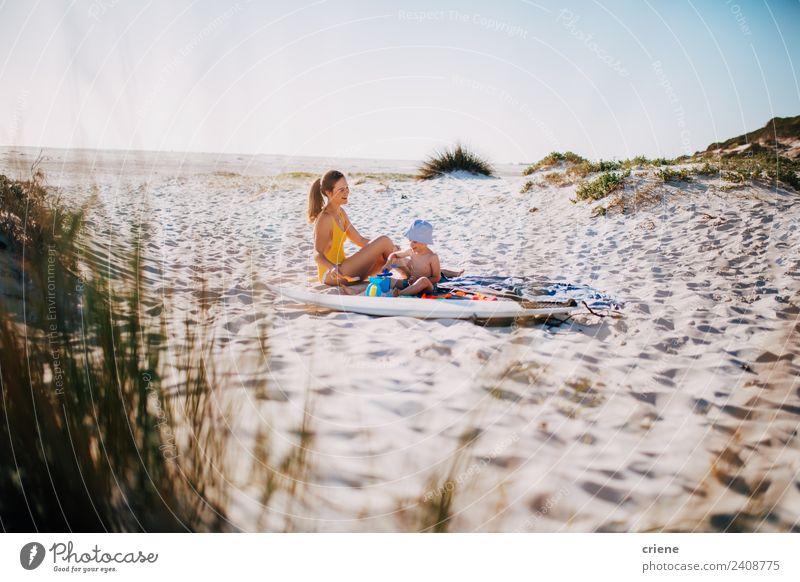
(106, 422)
(553, 159)
(455, 159)
(433, 510)
(29, 214)
(90, 438)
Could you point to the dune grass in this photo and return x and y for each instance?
(454, 159)
(107, 423)
(29, 217)
(739, 169)
(90, 437)
(433, 510)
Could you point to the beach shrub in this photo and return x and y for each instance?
(527, 187)
(601, 186)
(767, 166)
(734, 176)
(670, 175)
(656, 162)
(457, 158)
(786, 173)
(604, 166)
(706, 170)
(637, 161)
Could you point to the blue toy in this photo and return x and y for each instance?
(380, 285)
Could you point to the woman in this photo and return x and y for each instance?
(332, 226)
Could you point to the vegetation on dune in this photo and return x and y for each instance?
(297, 176)
(557, 179)
(670, 175)
(734, 167)
(775, 170)
(454, 159)
(602, 186)
(382, 176)
(552, 159)
(658, 162)
(578, 166)
(706, 170)
(604, 166)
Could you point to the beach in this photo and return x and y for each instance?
(676, 412)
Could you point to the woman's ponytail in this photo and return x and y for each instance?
(314, 200)
(318, 186)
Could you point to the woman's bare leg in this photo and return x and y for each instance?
(370, 257)
(346, 286)
(378, 266)
(354, 289)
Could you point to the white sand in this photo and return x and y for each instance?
(679, 414)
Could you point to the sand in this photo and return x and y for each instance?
(679, 412)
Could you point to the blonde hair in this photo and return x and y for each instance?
(319, 187)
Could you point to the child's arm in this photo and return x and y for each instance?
(436, 269)
(396, 255)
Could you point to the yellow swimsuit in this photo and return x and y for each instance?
(335, 253)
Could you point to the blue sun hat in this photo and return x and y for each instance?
(420, 231)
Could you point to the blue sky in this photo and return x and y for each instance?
(513, 79)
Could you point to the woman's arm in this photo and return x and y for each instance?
(352, 233)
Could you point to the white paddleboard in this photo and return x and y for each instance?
(420, 308)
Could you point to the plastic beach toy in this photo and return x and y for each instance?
(380, 284)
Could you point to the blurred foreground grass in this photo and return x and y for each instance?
(89, 438)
